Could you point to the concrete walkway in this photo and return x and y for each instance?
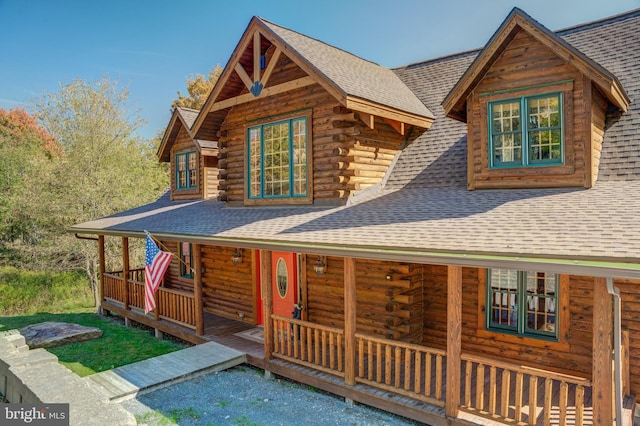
(151, 374)
(36, 377)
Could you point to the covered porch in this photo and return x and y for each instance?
(431, 385)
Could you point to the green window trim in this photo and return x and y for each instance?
(526, 131)
(186, 258)
(186, 170)
(277, 158)
(522, 303)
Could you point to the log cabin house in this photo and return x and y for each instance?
(460, 235)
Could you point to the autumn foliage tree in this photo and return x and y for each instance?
(198, 88)
(26, 148)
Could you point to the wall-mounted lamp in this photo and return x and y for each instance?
(320, 266)
(236, 258)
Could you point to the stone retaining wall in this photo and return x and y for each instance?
(36, 377)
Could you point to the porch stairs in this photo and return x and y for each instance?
(141, 377)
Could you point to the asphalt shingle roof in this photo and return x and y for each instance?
(354, 76)
(425, 205)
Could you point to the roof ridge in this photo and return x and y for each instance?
(439, 59)
(598, 22)
(320, 41)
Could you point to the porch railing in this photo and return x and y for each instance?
(523, 394)
(411, 370)
(313, 345)
(173, 305)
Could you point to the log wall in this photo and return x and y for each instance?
(526, 63)
(389, 297)
(228, 290)
(572, 356)
(172, 277)
(630, 297)
(347, 155)
(184, 143)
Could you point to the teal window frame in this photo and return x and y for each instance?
(186, 259)
(191, 174)
(529, 124)
(258, 160)
(513, 317)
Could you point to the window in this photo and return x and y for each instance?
(526, 131)
(277, 160)
(186, 260)
(522, 302)
(186, 170)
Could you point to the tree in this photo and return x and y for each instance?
(104, 168)
(198, 88)
(24, 146)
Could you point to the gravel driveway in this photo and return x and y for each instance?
(242, 396)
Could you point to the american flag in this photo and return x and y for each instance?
(156, 264)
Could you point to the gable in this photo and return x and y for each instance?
(262, 66)
(517, 21)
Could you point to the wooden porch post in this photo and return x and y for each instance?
(197, 289)
(454, 340)
(349, 321)
(101, 270)
(125, 270)
(267, 305)
(602, 349)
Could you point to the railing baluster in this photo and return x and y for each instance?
(480, 387)
(439, 376)
(518, 401)
(427, 375)
(563, 400)
(418, 372)
(579, 405)
(468, 365)
(506, 392)
(533, 399)
(548, 395)
(407, 369)
(396, 360)
(492, 390)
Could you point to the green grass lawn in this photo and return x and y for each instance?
(119, 345)
(27, 295)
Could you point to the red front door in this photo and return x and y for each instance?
(284, 284)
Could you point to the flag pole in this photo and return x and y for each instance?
(162, 246)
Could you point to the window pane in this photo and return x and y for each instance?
(541, 302)
(193, 170)
(507, 148)
(299, 157)
(503, 298)
(544, 136)
(254, 163)
(276, 160)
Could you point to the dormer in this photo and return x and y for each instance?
(302, 122)
(193, 162)
(535, 109)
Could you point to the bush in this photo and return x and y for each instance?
(28, 292)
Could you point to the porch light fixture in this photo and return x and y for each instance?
(236, 258)
(320, 266)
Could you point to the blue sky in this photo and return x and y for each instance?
(151, 46)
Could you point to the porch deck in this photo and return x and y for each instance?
(488, 395)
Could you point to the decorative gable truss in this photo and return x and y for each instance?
(535, 108)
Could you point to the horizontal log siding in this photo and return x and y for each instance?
(573, 358)
(598, 119)
(211, 175)
(184, 143)
(347, 155)
(526, 63)
(227, 289)
(388, 308)
(631, 321)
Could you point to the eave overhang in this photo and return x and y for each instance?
(597, 267)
